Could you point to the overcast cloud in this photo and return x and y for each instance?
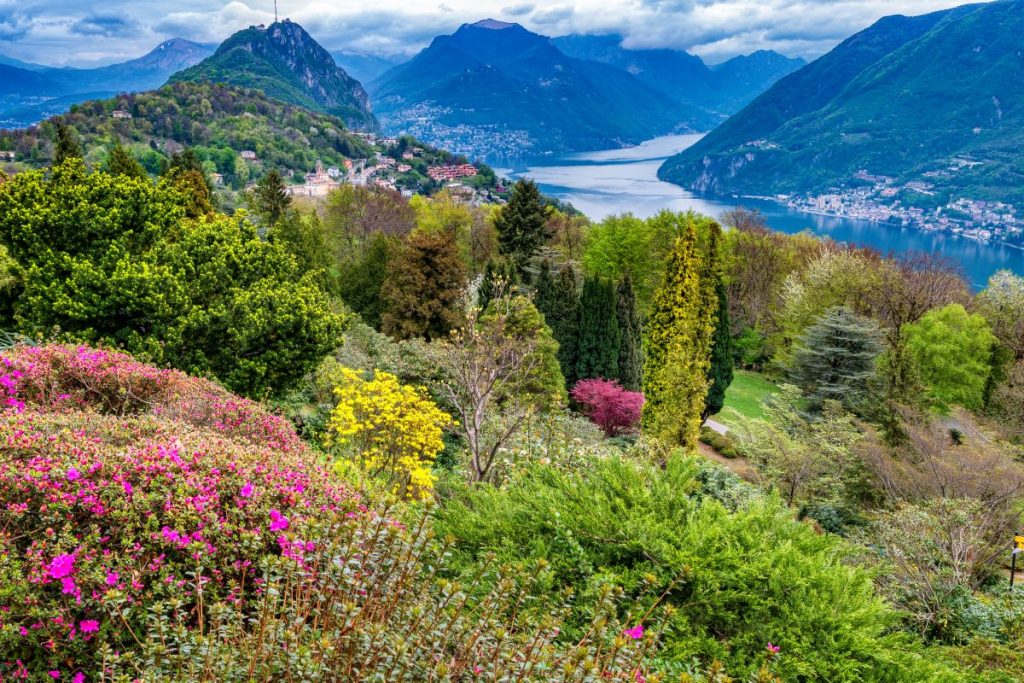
(82, 32)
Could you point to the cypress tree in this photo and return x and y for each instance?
(631, 357)
(120, 162)
(679, 333)
(599, 338)
(521, 225)
(558, 299)
(720, 370)
(67, 146)
(836, 358)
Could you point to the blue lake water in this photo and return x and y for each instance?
(616, 181)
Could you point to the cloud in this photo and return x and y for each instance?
(104, 26)
(50, 31)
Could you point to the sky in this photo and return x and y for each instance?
(88, 32)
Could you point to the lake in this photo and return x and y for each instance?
(615, 181)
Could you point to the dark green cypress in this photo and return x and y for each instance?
(720, 371)
(121, 162)
(558, 300)
(270, 199)
(599, 338)
(631, 355)
(521, 225)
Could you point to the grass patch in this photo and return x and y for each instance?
(744, 397)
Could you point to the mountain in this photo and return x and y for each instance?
(933, 100)
(364, 67)
(719, 91)
(286, 63)
(496, 90)
(35, 92)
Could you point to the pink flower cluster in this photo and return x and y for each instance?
(62, 377)
(113, 503)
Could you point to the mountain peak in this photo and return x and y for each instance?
(286, 63)
(494, 24)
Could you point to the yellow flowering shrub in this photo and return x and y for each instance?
(390, 430)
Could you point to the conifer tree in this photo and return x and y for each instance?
(631, 357)
(121, 162)
(835, 359)
(558, 299)
(423, 292)
(67, 146)
(270, 198)
(720, 369)
(498, 280)
(521, 225)
(679, 332)
(715, 300)
(599, 338)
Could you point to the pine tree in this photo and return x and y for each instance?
(599, 338)
(121, 162)
(631, 356)
(498, 280)
(521, 225)
(270, 198)
(835, 358)
(423, 292)
(720, 370)
(679, 332)
(67, 146)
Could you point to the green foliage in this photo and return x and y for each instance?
(498, 280)
(720, 368)
(679, 333)
(953, 350)
(599, 336)
(631, 355)
(521, 224)
(363, 275)
(559, 301)
(269, 200)
(835, 359)
(66, 146)
(121, 162)
(806, 458)
(745, 397)
(303, 238)
(736, 580)
(423, 290)
(110, 259)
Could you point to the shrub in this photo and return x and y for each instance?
(724, 444)
(735, 580)
(392, 430)
(608, 405)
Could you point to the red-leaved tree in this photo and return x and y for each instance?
(608, 405)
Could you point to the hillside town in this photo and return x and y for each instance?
(881, 199)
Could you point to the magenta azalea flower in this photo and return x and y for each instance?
(61, 566)
(73, 474)
(774, 649)
(89, 626)
(246, 491)
(278, 522)
(636, 633)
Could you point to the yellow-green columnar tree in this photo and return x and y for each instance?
(679, 334)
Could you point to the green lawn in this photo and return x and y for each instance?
(744, 397)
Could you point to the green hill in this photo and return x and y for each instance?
(935, 99)
(218, 121)
(286, 63)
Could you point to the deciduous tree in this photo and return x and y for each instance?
(953, 350)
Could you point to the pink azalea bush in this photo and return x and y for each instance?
(124, 486)
(608, 405)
